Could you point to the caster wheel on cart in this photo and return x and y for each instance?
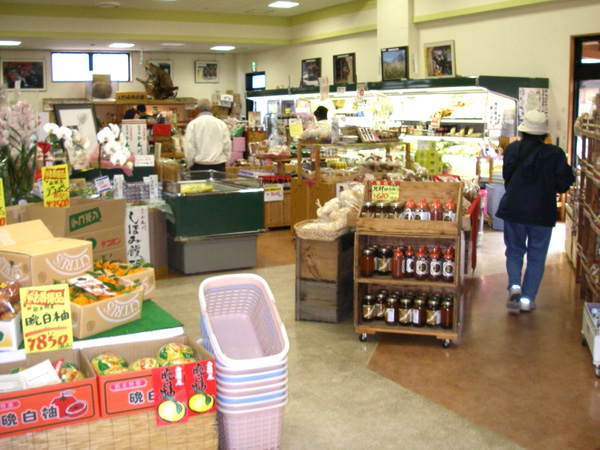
(362, 337)
(446, 343)
(583, 342)
(597, 371)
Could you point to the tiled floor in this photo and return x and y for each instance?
(507, 381)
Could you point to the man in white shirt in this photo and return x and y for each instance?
(207, 142)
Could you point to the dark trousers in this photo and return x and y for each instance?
(217, 167)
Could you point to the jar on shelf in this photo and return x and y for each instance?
(367, 210)
(395, 210)
(384, 261)
(368, 308)
(367, 263)
(433, 315)
(405, 310)
(380, 303)
(381, 210)
(419, 312)
(391, 310)
(447, 313)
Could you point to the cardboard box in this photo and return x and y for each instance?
(48, 407)
(132, 392)
(29, 252)
(145, 278)
(106, 314)
(85, 215)
(11, 333)
(104, 240)
(114, 254)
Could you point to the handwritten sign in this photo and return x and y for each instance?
(2, 205)
(137, 227)
(144, 161)
(385, 192)
(46, 318)
(136, 133)
(102, 184)
(55, 185)
(119, 186)
(295, 127)
(273, 192)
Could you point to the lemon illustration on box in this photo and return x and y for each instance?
(201, 402)
(171, 410)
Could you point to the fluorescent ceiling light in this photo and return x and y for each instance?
(121, 45)
(9, 43)
(283, 4)
(172, 44)
(223, 48)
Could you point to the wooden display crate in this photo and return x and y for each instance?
(324, 279)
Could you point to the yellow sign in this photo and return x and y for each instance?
(385, 192)
(55, 183)
(46, 318)
(2, 204)
(295, 127)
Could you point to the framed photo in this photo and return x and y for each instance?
(206, 71)
(394, 63)
(29, 75)
(78, 116)
(344, 68)
(165, 65)
(440, 60)
(311, 72)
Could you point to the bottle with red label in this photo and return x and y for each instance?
(398, 264)
(448, 265)
(435, 264)
(409, 262)
(436, 210)
(449, 214)
(422, 264)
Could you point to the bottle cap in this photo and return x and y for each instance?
(410, 203)
(423, 204)
(436, 203)
(451, 205)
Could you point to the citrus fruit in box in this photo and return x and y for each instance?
(171, 411)
(174, 350)
(144, 364)
(177, 361)
(116, 370)
(70, 372)
(201, 402)
(104, 361)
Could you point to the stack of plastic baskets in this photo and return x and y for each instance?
(241, 327)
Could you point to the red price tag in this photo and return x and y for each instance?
(46, 342)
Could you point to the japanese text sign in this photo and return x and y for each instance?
(385, 191)
(273, 192)
(55, 185)
(46, 318)
(137, 229)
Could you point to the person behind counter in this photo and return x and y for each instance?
(141, 110)
(321, 113)
(207, 143)
(131, 113)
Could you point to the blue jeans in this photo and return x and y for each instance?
(532, 240)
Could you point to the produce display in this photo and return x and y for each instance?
(102, 266)
(144, 364)
(9, 300)
(195, 188)
(175, 350)
(65, 370)
(105, 361)
(97, 286)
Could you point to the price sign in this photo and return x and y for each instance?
(2, 205)
(273, 192)
(295, 127)
(46, 318)
(385, 192)
(55, 185)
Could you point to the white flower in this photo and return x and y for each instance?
(115, 129)
(118, 158)
(64, 133)
(50, 128)
(68, 144)
(105, 135)
(112, 147)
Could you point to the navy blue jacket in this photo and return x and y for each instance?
(531, 188)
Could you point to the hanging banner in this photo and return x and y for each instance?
(46, 318)
(136, 133)
(2, 204)
(55, 185)
(137, 227)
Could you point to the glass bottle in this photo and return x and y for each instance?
(422, 212)
(384, 261)
(381, 210)
(448, 265)
(436, 210)
(447, 314)
(368, 210)
(419, 312)
(395, 211)
(435, 264)
(397, 264)
(409, 210)
(449, 214)
(367, 263)
(391, 310)
(409, 262)
(380, 302)
(422, 264)
(405, 310)
(433, 318)
(368, 308)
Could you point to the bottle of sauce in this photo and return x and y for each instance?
(449, 214)
(433, 315)
(391, 310)
(447, 313)
(422, 264)
(384, 261)
(368, 308)
(405, 310)
(419, 312)
(367, 263)
(436, 210)
(380, 302)
(409, 262)
(409, 210)
(422, 211)
(398, 264)
(435, 264)
(448, 265)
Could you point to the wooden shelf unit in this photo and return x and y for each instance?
(398, 232)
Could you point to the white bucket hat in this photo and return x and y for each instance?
(534, 122)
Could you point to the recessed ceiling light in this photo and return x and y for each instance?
(9, 43)
(107, 4)
(223, 48)
(172, 44)
(283, 4)
(121, 45)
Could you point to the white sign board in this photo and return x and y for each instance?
(136, 133)
(137, 228)
(273, 192)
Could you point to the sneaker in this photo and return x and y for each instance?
(526, 304)
(514, 297)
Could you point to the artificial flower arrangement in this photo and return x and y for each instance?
(72, 141)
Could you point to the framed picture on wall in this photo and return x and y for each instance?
(311, 72)
(394, 63)
(206, 72)
(440, 60)
(24, 74)
(80, 117)
(165, 65)
(344, 68)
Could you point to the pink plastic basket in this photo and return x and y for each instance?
(240, 324)
(258, 428)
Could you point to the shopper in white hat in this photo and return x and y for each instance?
(533, 173)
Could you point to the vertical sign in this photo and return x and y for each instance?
(46, 318)
(137, 227)
(170, 394)
(2, 204)
(55, 185)
(324, 88)
(119, 186)
(136, 133)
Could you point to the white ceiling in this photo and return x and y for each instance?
(250, 7)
